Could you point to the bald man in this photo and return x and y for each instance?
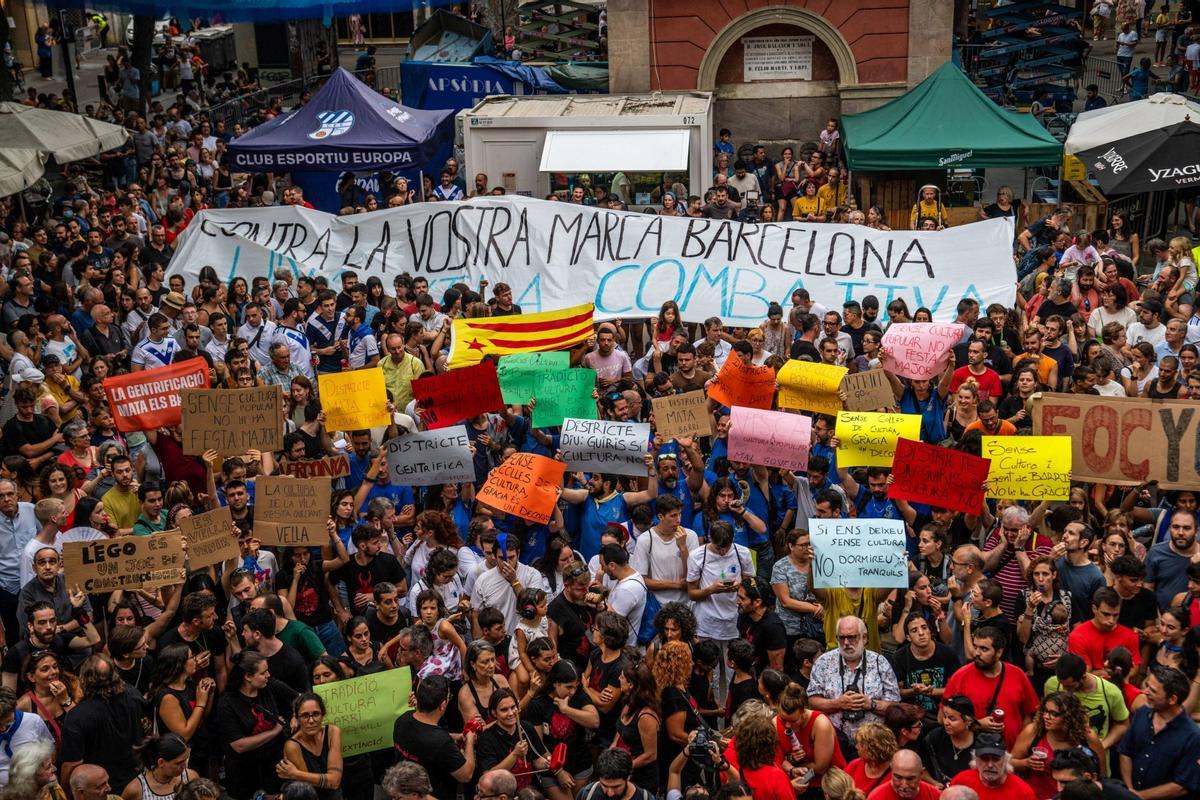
(498, 784)
(90, 782)
(906, 783)
(959, 793)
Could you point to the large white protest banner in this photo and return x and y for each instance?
(609, 446)
(556, 255)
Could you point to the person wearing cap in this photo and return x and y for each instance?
(1079, 764)
(1148, 328)
(172, 308)
(990, 776)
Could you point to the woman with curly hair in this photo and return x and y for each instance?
(675, 622)
(1060, 723)
(755, 741)
(876, 745)
(672, 669)
(637, 727)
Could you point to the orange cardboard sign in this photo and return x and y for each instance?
(740, 385)
(526, 485)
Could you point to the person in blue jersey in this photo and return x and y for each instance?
(325, 334)
(752, 491)
(377, 483)
(872, 501)
(685, 489)
(604, 502)
(822, 428)
(726, 503)
(927, 398)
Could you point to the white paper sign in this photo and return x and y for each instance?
(556, 255)
(596, 445)
(431, 457)
(859, 553)
(772, 58)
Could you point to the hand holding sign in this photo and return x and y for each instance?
(919, 350)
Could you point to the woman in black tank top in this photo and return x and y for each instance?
(482, 681)
(314, 754)
(637, 727)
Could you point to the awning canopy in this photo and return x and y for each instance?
(1155, 161)
(345, 127)
(67, 137)
(20, 168)
(945, 122)
(1093, 129)
(650, 150)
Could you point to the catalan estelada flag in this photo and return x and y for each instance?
(472, 339)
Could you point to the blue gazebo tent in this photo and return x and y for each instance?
(345, 127)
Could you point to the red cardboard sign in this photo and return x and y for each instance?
(451, 397)
(938, 476)
(150, 399)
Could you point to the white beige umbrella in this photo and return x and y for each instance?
(67, 137)
(19, 169)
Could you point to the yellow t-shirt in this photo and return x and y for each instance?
(62, 395)
(398, 378)
(804, 205)
(123, 508)
(838, 604)
(826, 193)
(923, 209)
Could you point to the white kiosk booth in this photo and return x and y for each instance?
(635, 146)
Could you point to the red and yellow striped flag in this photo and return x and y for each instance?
(472, 339)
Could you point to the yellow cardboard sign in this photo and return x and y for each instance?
(353, 400)
(1028, 467)
(810, 386)
(868, 439)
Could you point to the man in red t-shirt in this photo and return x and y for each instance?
(990, 778)
(986, 380)
(906, 783)
(1094, 639)
(992, 684)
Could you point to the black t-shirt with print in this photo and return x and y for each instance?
(933, 671)
(603, 676)
(432, 748)
(573, 621)
(766, 634)
(559, 728)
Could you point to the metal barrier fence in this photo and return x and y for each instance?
(1106, 74)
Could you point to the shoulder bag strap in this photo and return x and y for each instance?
(991, 706)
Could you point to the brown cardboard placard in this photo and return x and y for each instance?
(125, 562)
(210, 537)
(291, 512)
(1124, 441)
(232, 421)
(868, 391)
(684, 414)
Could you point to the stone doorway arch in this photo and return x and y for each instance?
(772, 15)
